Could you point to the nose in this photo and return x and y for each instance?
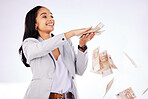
(50, 18)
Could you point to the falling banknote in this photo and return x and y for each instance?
(126, 94)
(132, 61)
(108, 86)
(97, 29)
(95, 60)
(102, 63)
(112, 65)
(145, 91)
(105, 68)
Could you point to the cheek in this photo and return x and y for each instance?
(41, 24)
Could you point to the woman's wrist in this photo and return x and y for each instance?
(81, 45)
(82, 48)
(69, 34)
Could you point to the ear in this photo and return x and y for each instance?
(36, 25)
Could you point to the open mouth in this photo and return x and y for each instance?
(50, 24)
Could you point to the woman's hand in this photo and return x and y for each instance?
(85, 38)
(80, 32)
(76, 32)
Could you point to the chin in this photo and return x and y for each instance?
(50, 30)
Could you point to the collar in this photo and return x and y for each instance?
(40, 39)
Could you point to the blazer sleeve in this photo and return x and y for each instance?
(32, 48)
(81, 60)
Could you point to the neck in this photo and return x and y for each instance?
(45, 36)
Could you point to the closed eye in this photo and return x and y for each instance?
(52, 16)
(44, 16)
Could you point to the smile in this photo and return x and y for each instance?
(50, 24)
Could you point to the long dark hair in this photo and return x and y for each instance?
(30, 31)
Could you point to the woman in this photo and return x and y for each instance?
(52, 58)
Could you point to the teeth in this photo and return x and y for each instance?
(50, 24)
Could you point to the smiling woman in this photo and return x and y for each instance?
(44, 21)
(52, 58)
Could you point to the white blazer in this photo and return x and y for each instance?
(43, 67)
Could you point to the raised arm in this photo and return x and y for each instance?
(32, 48)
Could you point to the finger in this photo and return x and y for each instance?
(86, 29)
(91, 36)
(87, 35)
(83, 36)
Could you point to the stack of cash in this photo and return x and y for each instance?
(97, 29)
(126, 94)
(102, 63)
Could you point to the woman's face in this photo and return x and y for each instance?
(44, 21)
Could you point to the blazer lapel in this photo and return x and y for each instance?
(64, 54)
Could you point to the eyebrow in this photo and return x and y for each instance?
(44, 13)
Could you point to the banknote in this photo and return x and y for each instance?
(97, 29)
(95, 60)
(97, 65)
(112, 65)
(102, 63)
(126, 94)
(145, 91)
(103, 57)
(99, 32)
(106, 60)
(108, 86)
(105, 67)
(131, 60)
(106, 71)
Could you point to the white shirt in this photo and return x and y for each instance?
(62, 82)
